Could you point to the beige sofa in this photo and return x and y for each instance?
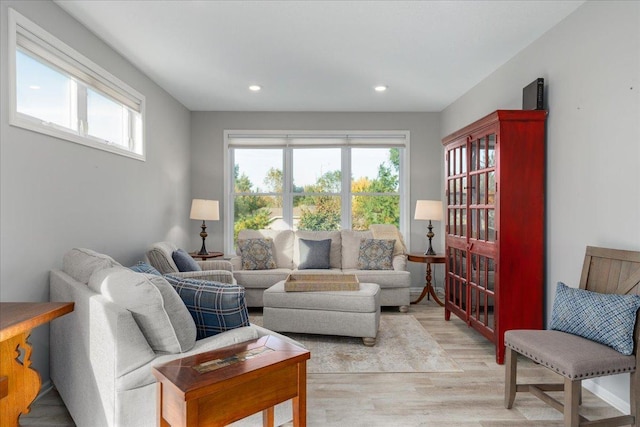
(345, 245)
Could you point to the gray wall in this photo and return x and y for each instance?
(207, 152)
(56, 194)
(590, 63)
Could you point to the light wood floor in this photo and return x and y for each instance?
(464, 399)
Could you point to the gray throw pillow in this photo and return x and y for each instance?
(314, 254)
(184, 262)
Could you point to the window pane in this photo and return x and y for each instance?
(316, 170)
(256, 213)
(491, 156)
(107, 119)
(316, 212)
(258, 171)
(375, 170)
(367, 210)
(44, 93)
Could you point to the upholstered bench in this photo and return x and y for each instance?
(345, 313)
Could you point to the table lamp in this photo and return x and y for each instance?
(205, 210)
(429, 210)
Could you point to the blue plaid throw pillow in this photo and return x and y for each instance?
(608, 319)
(215, 307)
(143, 267)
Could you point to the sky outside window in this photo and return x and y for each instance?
(43, 92)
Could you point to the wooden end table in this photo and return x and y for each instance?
(427, 259)
(221, 386)
(19, 383)
(196, 255)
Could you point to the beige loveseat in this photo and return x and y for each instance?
(345, 246)
(101, 355)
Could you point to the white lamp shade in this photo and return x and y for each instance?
(429, 210)
(205, 210)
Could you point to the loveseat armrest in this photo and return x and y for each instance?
(399, 262)
(262, 331)
(222, 276)
(236, 262)
(215, 265)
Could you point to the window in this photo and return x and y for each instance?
(315, 180)
(57, 91)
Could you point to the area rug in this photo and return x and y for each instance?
(403, 345)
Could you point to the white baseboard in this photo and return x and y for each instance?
(607, 396)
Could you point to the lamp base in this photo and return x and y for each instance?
(203, 234)
(430, 235)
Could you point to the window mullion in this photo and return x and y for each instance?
(345, 194)
(287, 186)
(81, 107)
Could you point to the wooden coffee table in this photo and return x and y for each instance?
(225, 385)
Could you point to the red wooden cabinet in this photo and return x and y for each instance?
(494, 189)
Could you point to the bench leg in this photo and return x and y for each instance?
(571, 402)
(510, 375)
(634, 393)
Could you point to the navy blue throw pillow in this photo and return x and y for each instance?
(184, 262)
(215, 307)
(143, 267)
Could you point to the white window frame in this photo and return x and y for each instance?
(287, 139)
(28, 37)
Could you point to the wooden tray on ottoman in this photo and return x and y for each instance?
(301, 282)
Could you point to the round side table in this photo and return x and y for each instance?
(196, 255)
(427, 259)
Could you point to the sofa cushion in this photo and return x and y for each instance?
(314, 253)
(608, 319)
(184, 261)
(260, 279)
(143, 267)
(351, 246)
(282, 244)
(81, 263)
(376, 254)
(156, 307)
(143, 375)
(387, 279)
(335, 257)
(257, 254)
(215, 307)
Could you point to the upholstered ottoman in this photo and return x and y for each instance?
(345, 313)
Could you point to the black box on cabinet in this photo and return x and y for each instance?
(533, 95)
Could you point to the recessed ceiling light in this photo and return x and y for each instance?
(380, 88)
(255, 88)
(34, 87)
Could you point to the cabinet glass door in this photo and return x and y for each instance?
(482, 290)
(457, 193)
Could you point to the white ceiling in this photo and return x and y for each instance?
(318, 55)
